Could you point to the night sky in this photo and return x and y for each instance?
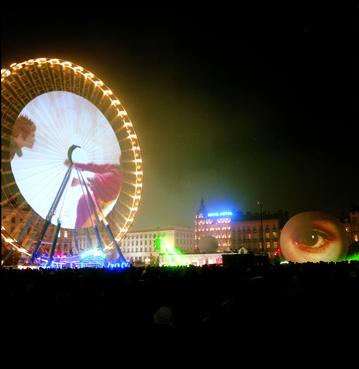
(235, 105)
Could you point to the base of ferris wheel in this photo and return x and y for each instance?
(93, 256)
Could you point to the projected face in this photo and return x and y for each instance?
(42, 135)
(23, 135)
(313, 237)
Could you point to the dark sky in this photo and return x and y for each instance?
(257, 102)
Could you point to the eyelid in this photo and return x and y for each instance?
(326, 227)
(324, 234)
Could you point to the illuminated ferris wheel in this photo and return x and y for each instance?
(71, 162)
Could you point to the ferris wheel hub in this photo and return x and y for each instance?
(70, 151)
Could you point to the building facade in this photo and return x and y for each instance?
(351, 224)
(25, 225)
(256, 236)
(217, 225)
(195, 259)
(139, 246)
(235, 231)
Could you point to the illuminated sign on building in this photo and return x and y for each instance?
(221, 214)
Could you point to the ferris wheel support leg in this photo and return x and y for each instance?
(54, 241)
(121, 257)
(28, 242)
(51, 212)
(76, 241)
(94, 207)
(99, 241)
(96, 210)
(7, 256)
(21, 236)
(88, 238)
(44, 229)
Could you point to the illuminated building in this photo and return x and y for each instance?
(196, 259)
(247, 235)
(139, 246)
(215, 224)
(235, 231)
(351, 224)
(15, 222)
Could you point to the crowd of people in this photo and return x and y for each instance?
(210, 304)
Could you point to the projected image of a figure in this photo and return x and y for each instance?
(103, 189)
(313, 237)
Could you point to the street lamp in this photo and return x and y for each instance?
(261, 215)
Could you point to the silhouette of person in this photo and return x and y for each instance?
(163, 328)
(23, 135)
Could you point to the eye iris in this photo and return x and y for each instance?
(311, 239)
(308, 238)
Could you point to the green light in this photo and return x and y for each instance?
(172, 255)
(354, 257)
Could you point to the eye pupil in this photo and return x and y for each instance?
(311, 240)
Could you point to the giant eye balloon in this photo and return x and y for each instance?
(313, 237)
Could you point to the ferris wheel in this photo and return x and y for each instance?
(71, 173)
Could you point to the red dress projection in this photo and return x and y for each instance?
(105, 187)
